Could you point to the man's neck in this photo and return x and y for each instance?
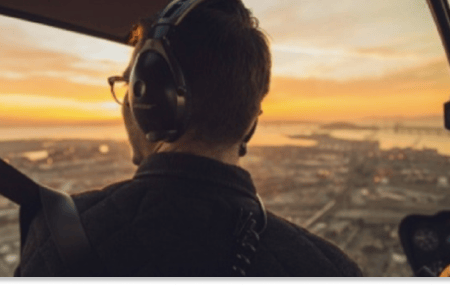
(228, 155)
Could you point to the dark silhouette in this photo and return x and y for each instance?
(190, 210)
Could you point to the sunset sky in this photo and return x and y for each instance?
(333, 60)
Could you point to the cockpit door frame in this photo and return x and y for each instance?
(441, 14)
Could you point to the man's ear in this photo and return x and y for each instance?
(243, 145)
(250, 134)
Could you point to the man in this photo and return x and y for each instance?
(190, 210)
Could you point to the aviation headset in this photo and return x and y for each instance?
(160, 101)
(160, 97)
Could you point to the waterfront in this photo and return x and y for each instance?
(267, 134)
(351, 192)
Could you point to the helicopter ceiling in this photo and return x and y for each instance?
(108, 19)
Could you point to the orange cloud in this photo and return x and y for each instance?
(55, 87)
(29, 69)
(37, 110)
(417, 91)
(72, 87)
(387, 52)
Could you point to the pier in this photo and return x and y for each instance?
(400, 129)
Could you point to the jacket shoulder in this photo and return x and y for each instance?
(290, 250)
(39, 256)
(88, 199)
(344, 264)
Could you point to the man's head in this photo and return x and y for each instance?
(226, 61)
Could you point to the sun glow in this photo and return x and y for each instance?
(331, 61)
(43, 109)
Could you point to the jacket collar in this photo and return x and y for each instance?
(197, 168)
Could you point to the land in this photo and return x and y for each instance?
(349, 192)
(71, 166)
(347, 126)
(353, 194)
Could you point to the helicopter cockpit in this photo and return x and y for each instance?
(351, 145)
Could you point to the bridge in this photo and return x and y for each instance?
(397, 128)
(416, 130)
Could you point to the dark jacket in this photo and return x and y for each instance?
(176, 217)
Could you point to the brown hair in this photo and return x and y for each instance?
(226, 60)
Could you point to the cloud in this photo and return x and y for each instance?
(348, 39)
(29, 70)
(382, 52)
(331, 58)
(415, 91)
(61, 41)
(38, 109)
(30, 101)
(20, 62)
(52, 83)
(24, 57)
(433, 74)
(339, 63)
(387, 53)
(57, 87)
(12, 75)
(346, 24)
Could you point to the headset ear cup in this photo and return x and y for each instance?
(153, 97)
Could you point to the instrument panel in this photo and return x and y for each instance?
(426, 242)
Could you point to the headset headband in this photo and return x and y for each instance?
(175, 12)
(171, 17)
(176, 96)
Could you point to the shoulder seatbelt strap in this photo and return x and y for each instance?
(60, 213)
(65, 227)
